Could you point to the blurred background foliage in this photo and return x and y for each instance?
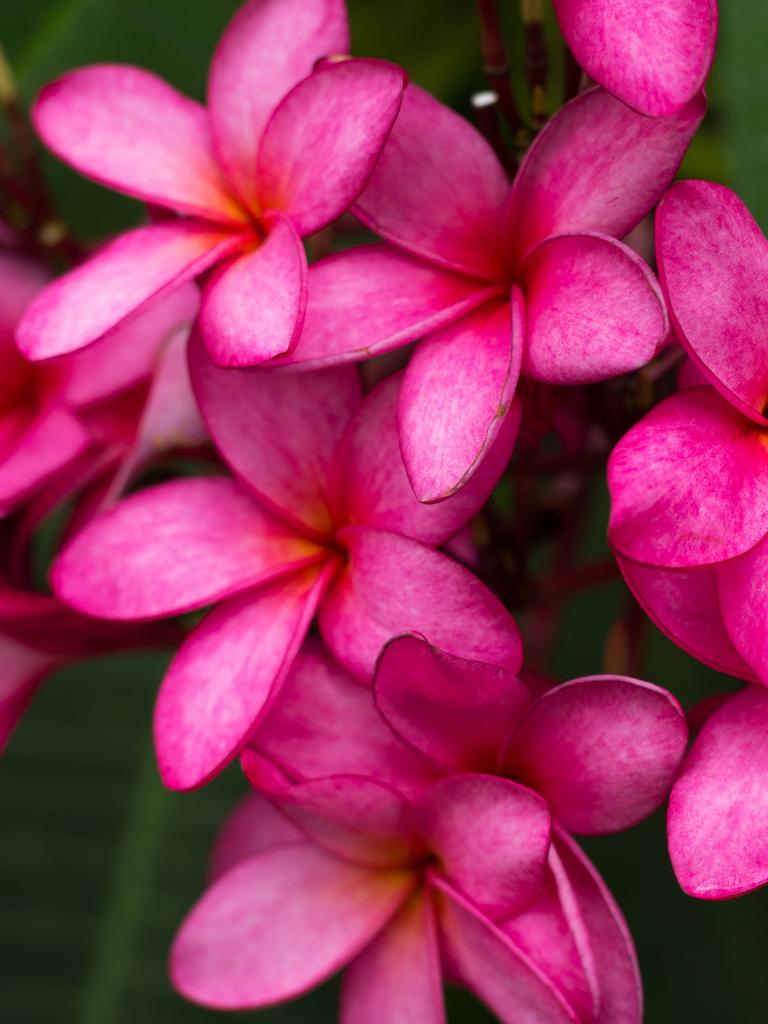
(97, 862)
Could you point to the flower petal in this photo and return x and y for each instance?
(689, 483)
(138, 267)
(375, 490)
(24, 669)
(372, 298)
(455, 712)
(438, 189)
(491, 836)
(743, 597)
(279, 432)
(324, 722)
(226, 674)
(255, 825)
(397, 976)
(713, 260)
(396, 585)
(175, 547)
(278, 924)
(323, 140)
(267, 48)
(602, 751)
(596, 166)
(130, 130)
(253, 306)
(593, 310)
(718, 810)
(653, 56)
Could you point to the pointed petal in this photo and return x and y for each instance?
(491, 836)
(596, 166)
(456, 398)
(603, 751)
(278, 924)
(397, 976)
(267, 48)
(138, 267)
(254, 826)
(743, 597)
(226, 674)
(438, 189)
(279, 432)
(253, 306)
(24, 669)
(713, 260)
(370, 299)
(175, 547)
(494, 967)
(130, 130)
(375, 490)
(51, 441)
(325, 722)
(689, 483)
(653, 56)
(455, 712)
(593, 310)
(323, 140)
(396, 585)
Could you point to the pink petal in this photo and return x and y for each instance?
(456, 398)
(684, 604)
(253, 306)
(455, 712)
(226, 674)
(596, 166)
(438, 189)
(51, 441)
(491, 837)
(397, 976)
(593, 310)
(713, 259)
(175, 547)
(24, 669)
(325, 722)
(602, 751)
(653, 56)
(495, 968)
(267, 48)
(130, 130)
(743, 596)
(718, 810)
(138, 267)
(375, 490)
(22, 280)
(254, 826)
(396, 585)
(614, 957)
(278, 924)
(279, 432)
(689, 483)
(322, 142)
(372, 298)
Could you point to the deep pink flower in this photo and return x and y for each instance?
(415, 788)
(498, 279)
(274, 157)
(322, 520)
(653, 54)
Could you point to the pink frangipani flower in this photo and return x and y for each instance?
(499, 280)
(279, 153)
(653, 54)
(321, 519)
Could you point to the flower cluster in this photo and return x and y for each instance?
(361, 320)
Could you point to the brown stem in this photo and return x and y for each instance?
(496, 63)
(536, 59)
(486, 109)
(572, 74)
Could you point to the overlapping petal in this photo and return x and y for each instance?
(743, 599)
(255, 825)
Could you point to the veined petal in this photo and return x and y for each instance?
(175, 547)
(130, 130)
(138, 267)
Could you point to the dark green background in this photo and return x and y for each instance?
(97, 862)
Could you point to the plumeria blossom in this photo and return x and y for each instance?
(320, 520)
(534, 277)
(279, 152)
(523, 918)
(653, 54)
(63, 415)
